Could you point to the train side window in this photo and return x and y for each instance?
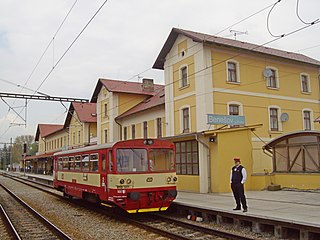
(94, 164)
(71, 163)
(85, 163)
(60, 163)
(110, 161)
(77, 163)
(103, 162)
(65, 163)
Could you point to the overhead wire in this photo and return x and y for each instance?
(67, 50)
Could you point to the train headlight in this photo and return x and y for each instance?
(121, 181)
(175, 179)
(129, 181)
(168, 179)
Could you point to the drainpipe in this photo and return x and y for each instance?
(208, 159)
(120, 130)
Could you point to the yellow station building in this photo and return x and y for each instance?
(276, 91)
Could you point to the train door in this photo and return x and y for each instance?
(104, 170)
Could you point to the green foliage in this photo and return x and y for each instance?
(17, 149)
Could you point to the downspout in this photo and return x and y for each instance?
(208, 159)
(120, 138)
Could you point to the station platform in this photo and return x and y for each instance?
(293, 206)
(300, 207)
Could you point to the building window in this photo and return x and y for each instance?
(305, 87)
(185, 120)
(105, 135)
(145, 129)
(232, 72)
(79, 136)
(133, 131)
(307, 120)
(125, 133)
(184, 76)
(274, 124)
(233, 109)
(272, 79)
(187, 160)
(159, 128)
(105, 110)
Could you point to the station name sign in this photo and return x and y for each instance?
(225, 119)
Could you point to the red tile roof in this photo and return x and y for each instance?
(86, 112)
(156, 100)
(45, 130)
(122, 87)
(211, 39)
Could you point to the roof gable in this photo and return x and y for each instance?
(156, 100)
(45, 130)
(86, 112)
(120, 86)
(211, 39)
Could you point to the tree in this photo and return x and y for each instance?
(4, 157)
(17, 150)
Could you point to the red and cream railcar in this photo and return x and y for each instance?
(136, 175)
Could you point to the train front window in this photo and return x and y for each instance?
(132, 160)
(161, 160)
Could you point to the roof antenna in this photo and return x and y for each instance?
(235, 33)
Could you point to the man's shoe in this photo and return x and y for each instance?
(236, 209)
(245, 210)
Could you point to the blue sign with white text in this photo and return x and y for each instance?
(226, 119)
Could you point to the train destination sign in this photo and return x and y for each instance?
(225, 119)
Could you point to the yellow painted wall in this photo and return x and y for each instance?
(182, 47)
(189, 62)
(127, 101)
(55, 141)
(41, 145)
(74, 127)
(229, 144)
(139, 130)
(178, 104)
(151, 129)
(93, 129)
(105, 126)
(188, 183)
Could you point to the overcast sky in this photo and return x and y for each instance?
(123, 40)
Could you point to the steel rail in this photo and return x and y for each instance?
(50, 225)
(9, 224)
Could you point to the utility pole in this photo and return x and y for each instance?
(11, 155)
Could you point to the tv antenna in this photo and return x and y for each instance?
(235, 33)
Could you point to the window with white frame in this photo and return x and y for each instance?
(274, 119)
(184, 76)
(234, 109)
(272, 81)
(145, 129)
(105, 110)
(185, 120)
(232, 71)
(133, 131)
(105, 135)
(305, 83)
(125, 133)
(159, 128)
(307, 120)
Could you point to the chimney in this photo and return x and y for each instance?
(147, 85)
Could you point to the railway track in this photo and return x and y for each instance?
(167, 227)
(25, 222)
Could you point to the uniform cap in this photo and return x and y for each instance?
(236, 159)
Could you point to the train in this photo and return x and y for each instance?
(135, 175)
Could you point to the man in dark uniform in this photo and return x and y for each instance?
(238, 177)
